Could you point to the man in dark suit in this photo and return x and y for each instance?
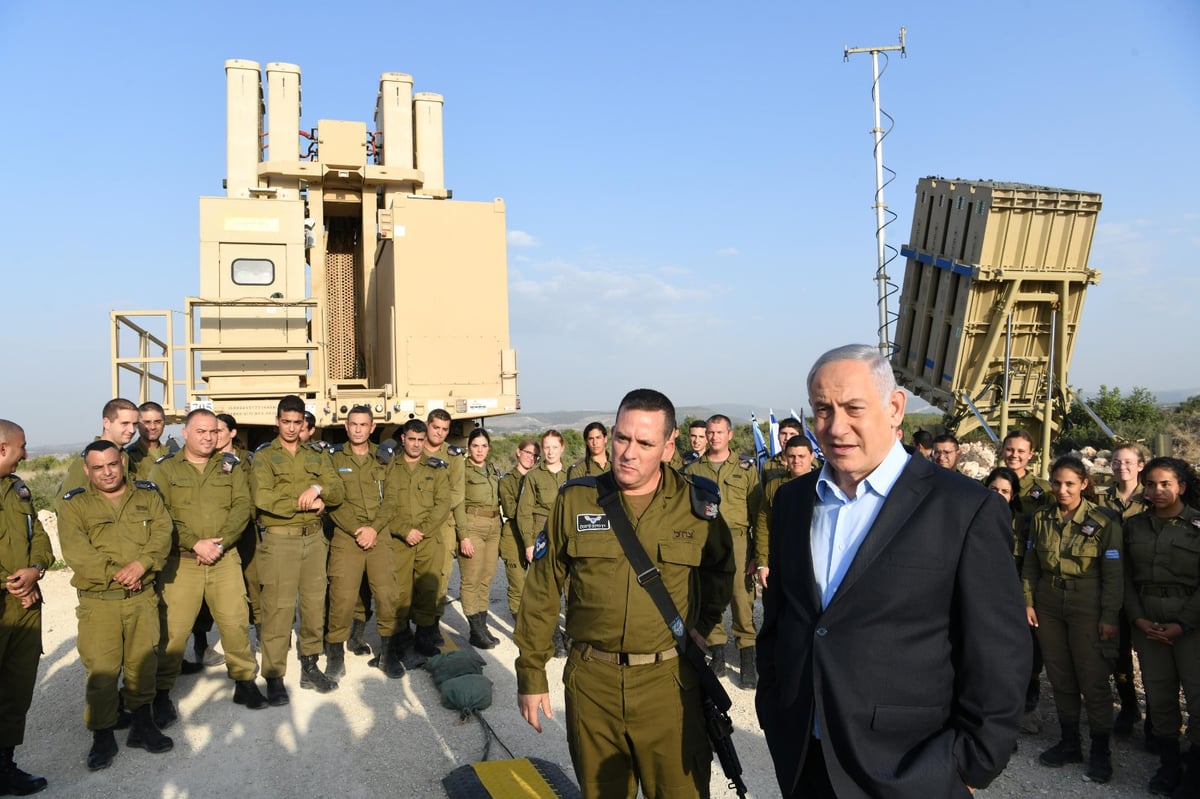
(894, 647)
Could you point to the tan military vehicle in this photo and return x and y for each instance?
(993, 292)
(333, 268)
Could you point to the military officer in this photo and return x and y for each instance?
(539, 489)
(416, 502)
(292, 484)
(777, 466)
(118, 421)
(798, 456)
(207, 493)
(477, 521)
(634, 712)
(116, 537)
(149, 446)
(25, 554)
(740, 497)
(512, 544)
(357, 548)
(1162, 597)
(698, 437)
(1074, 584)
(595, 439)
(437, 425)
(1016, 451)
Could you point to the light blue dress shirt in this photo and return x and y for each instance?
(840, 524)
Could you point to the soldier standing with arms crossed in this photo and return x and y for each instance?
(25, 554)
(208, 495)
(116, 536)
(512, 546)
(740, 496)
(292, 484)
(634, 714)
(357, 548)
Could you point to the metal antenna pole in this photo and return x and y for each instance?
(881, 209)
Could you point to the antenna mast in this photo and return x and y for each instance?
(881, 209)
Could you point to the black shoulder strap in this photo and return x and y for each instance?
(648, 575)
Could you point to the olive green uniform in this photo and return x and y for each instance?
(206, 501)
(740, 498)
(1034, 493)
(512, 543)
(291, 555)
(448, 534)
(247, 545)
(142, 458)
(539, 489)
(642, 722)
(415, 496)
(586, 467)
(76, 476)
(1072, 576)
(762, 528)
(23, 543)
(118, 628)
(478, 518)
(1163, 585)
(773, 467)
(363, 476)
(1136, 504)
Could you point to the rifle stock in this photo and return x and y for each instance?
(717, 723)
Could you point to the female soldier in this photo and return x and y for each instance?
(1004, 481)
(1162, 600)
(477, 521)
(1073, 589)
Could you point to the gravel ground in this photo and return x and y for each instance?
(375, 736)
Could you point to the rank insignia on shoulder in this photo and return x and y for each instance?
(229, 461)
(706, 497)
(436, 463)
(541, 545)
(1196, 522)
(1036, 492)
(745, 462)
(337, 448)
(690, 457)
(73, 492)
(320, 446)
(1088, 529)
(262, 446)
(591, 522)
(1112, 554)
(147, 484)
(385, 452)
(21, 489)
(165, 457)
(455, 451)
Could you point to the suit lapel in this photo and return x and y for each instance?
(909, 491)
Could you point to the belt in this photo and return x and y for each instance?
(116, 593)
(589, 652)
(484, 512)
(1074, 583)
(312, 528)
(1165, 590)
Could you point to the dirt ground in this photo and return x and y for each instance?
(378, 737)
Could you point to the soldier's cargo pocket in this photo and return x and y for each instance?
(683, 553)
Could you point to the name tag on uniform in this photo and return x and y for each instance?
(344, 469)
(1112, 554)
(591, 522)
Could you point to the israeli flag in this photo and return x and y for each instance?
(773, 434)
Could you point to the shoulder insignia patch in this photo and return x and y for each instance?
(1036, 492)
(455, 451)
(591, 522)
(20, 488)
(1088, 529)
(385, 452)
(73, 492)
(589, 480)
(1196, 522)
(689, 458)
(320, 446)
(149, 485)
(436, 463)
(337, 448)
(229, 461)
(262, 446)
(745, 463)
(541, 545)
(706, 496)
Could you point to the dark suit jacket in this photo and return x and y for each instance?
(916, 672)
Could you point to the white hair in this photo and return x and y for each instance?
(881, 369)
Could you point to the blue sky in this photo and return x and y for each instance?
(689, 186)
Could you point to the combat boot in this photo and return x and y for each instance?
(716, 660)
(245, 692)
(749, 669)
(14, 781)
(277, 695)
(124, 717)
(356, 643)
(403, 647)
(1189, 786)
(144, 734)
(1100, 767)
(1129, 714)
(479, 637)
(163, 709)
(425, 643)
(312, 677)
(1066, 750)
(104, 749)
(389, 660)
(1170, 769)
(335, 661)
(484, 627)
